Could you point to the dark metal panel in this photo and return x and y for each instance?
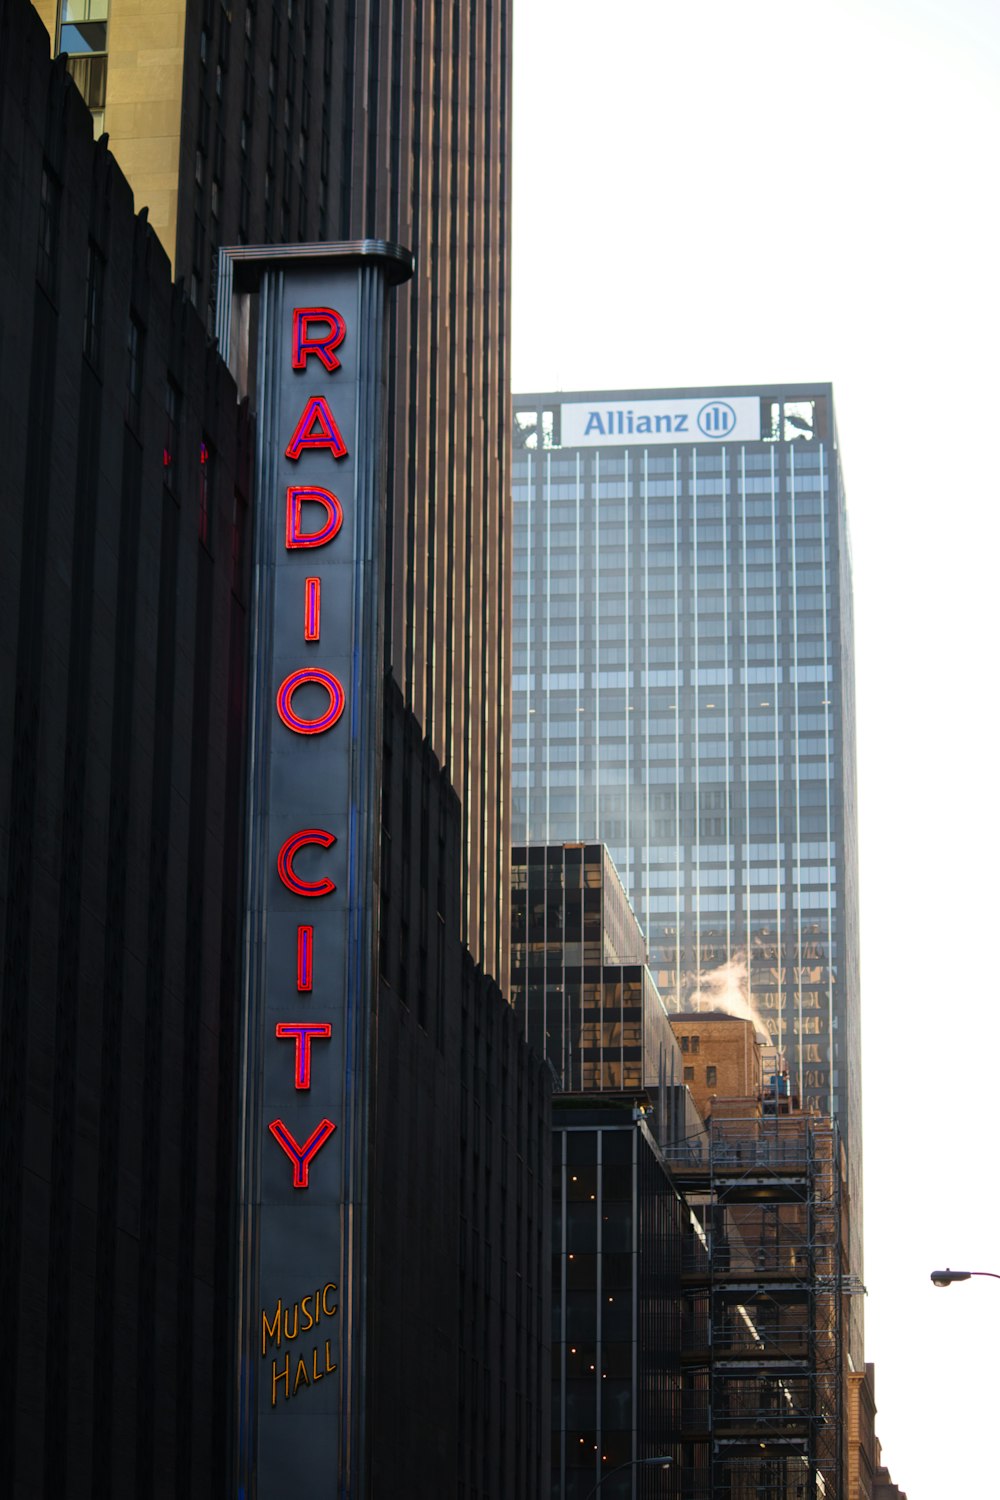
(302, 1294)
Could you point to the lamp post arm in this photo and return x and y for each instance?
(948, 1276)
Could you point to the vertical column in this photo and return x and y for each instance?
(312, 810)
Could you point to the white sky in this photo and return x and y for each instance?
(744, 191)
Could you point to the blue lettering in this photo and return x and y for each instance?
(643, 424)
(681, 422)
(594, 424)
(663, 424)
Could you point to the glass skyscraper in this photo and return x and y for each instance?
(683, 691)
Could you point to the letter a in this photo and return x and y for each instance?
(316, 428)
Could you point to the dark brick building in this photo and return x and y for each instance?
(122, 642)
(127, 508)
(462, 1160)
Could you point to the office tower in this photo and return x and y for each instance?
(683, 690)
(243, 123)
(619, 1229)
(586, 1002)
(578, 978)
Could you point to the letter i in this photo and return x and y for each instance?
(312, 609)
(304, 964)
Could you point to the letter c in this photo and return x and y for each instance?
(287, 853)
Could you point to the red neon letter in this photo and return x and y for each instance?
(312, 610)
(303, 345)
(294, 535)
(304, 1032)
(287, 853)
(331, 714)
(327, 435)
(301, 1156)
(305, 959)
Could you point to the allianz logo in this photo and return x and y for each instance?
(715, 420)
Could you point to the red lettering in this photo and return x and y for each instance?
(316, 428)
(295, 496)
(287, 875)
(305, 960)
(311, 628)
(303, 344)
(329, 716)
(301, 1156)
(305, 1033)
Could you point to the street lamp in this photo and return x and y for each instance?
(664, 1461)
(947, 1276)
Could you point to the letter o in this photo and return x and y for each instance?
(326, 720)
(287, 853)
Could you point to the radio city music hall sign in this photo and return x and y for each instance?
(317, 332)
(313, 795)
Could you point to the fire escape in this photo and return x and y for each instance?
(760, 1402)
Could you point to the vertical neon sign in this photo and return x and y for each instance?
(313, 790)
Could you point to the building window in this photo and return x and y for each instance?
(83, 35)
(689, 1075)
(696, 1044)
(787, 421)
(711, 1077)
(134, 402)
(93, 310)
(48, 231)
(685, 1042)
(527, 428)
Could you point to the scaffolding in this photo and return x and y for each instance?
(760, 1402)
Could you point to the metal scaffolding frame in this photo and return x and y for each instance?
(761, 1412)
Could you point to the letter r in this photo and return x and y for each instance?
(303, 345)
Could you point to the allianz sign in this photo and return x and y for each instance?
(593, 424)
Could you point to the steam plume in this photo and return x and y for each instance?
(726, 989)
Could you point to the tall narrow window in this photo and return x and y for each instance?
(83, 35)
(133, 405)
(204, 494)
(48, 231)
(93, 310)
(239, 531)
(171, 437)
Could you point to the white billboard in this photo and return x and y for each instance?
(688, 419)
